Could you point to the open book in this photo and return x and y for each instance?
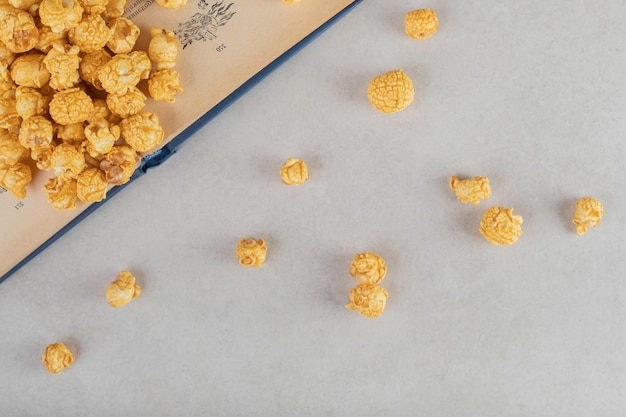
(225, 47)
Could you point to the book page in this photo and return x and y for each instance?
(222, 45)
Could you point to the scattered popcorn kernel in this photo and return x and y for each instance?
(368, 300)
(391, 92)
(94, 6)
(61, 193)
(251, 252)
(15, 178)
(164, 84)
(127, 103)
(368, 268)
(67, 161)
(90, 64)
(172, 4)
(119, 74)
(91, 185)
(123, 290)
(74, 132)
(47, 37)
(123, 35)
(500, 226)
(60, 15)
(588, 213)
(42, 156)
(36, 131)
(9, 119)
(163, 48)
(294, 172)
(142, 131)
(18, 31)
(29, 102)
(62, 62)
(119, 164)
(91, 33)
(420, 24)
(70, 106)
(471, 190)
(11, 151)
(29, 70)
(114, 8)
(57, 357)
(101, 136)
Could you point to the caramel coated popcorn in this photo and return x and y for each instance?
(90, 34)
(588, 213)
(294, 172)
(62, 62)
(164, 84)
(123, 290)
(163, 48)
(57, 357)
(251, 252)
(29, 102)
(123, 35)
(368, 268)
(15, 178)
(420, 24)
(36, 131)
(101, 136)
(391, 92)
(18, 31)
(67, 161)
(119, 74)
(90, 64)
(368, 300)
(128, 103)
(142, 131)
(119, 164)
(61, 193)
(29, 70)
(11, 151)
(60, 15)
(500, 226)
(70, 106)
(91, 185)
(471, 190)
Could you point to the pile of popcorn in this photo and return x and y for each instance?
(70, 99)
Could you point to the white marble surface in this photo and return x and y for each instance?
(531, 94)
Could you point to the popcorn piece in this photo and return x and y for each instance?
(101, 136)
(15, 178)
(128, 103)
(420, 24)
(91, 33)
(74, 132)
(18, 31)
(119, 164)
(47, 37)
(29, 102)
(114, 8)
(471, 190)
(35, 132)
(30, 71)
(294, 172)
(251, 252)
(94, 6)
(62, 62)
(119, 74)
(57, 357)
(11, 151)
(588, 213)
(91, 185)
(391, 92)
(368, 268)
(123, 290)
(102, 111)
(70, 106)
(42, 155)
(6, 56)
(368, 300)
(6, 82)
(90, 64)
(500, 226)
(142, 131)
(163, 48)
(9, 119)
(123, 35)
(163, 85)
(142, 64)
(61, 193)
(60, 15)
(67, 161)
(172, 4)
(29, 6)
